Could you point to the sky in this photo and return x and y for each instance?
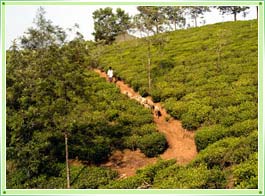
(20, 18)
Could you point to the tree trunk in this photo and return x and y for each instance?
(234, 16)
(257, 7)
(67, 162)
(195, 19)
(149, 64)
(157, 29)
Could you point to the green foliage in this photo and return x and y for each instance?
(228, 151)
(142, 178)
(152, 144)
(178, 177)
(232, 10)
(128, 183)
(207, 78)
(211, 134)
(51, 92)
(108, 25)
(92, 177)
(195, 115)
(208, 135)
(245, 174)
(82, 177)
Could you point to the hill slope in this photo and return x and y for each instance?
(207, 77)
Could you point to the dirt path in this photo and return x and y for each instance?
(181, 142)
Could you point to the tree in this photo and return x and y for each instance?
(123, 21)
(108, 25)
(144, 23)
(174, 15)
(232, 10)
(149, 20)
(152, 18)
(44, 34)
(48, 72)
(196, 11)
(105, 25)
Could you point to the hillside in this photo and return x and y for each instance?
(59, 97)
(206, 77)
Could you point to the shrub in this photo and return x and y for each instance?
(128, 183)
(195, 116)
(245, 175)
(92, 177)
(199, 177)
(156, 95)
(131, 142)
(153, 144)
(143, 91)
(176, 108)
(214, 154)
(145, 129)
(242, 128)
(242, 150)
(208, 135)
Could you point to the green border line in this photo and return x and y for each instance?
(133, 191)
(259, 191)
(129, 3)
(3, 137)
(260, 95)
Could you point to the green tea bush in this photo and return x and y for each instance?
(179, 177)
(132, 142)
(245, 174)
(242, 128)
(152, 144)
(195, 116)
(92, 177)
(128, 183)
(145, 129)
(176, 108)
(156, 95)
(142, 178)
(229, 151)
(214, 154)
(82, 177)
(208, 135)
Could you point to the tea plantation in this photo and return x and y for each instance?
(50, 93)
(207, 77)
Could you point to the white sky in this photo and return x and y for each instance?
(19, 18)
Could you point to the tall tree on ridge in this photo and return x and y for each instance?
(123, 21)
(105, 25)
(153, 18)
(174, 15)
(196, 11)
(108, 25)
(232, 10)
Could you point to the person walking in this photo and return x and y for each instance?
(110, 74)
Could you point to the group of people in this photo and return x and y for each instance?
(145, 102)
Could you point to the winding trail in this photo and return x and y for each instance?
(181, 142)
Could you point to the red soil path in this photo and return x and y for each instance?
(181, 142)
